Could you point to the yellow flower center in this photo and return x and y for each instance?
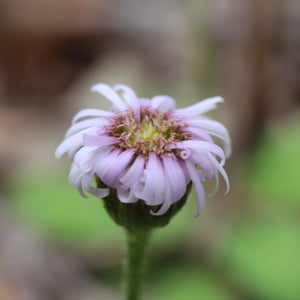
(152, 131)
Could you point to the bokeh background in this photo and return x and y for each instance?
(55, 245)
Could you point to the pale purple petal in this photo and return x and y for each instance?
(207, 168)
(201, 145)
(127, 195)
(216, 187)
(95, 122)
(153, 190)
(90, 112)
(84, 158)
(198, 108)
(69, 143)
(221, 170)
(145, 102)
(134, 173)
(115, 170)
(105, 159)
(98, 140)
(174, 173)
(110, 94)
(167, 200)
(201, 134)
(163, 103)
(75, 177)
(128, 95)
(130, 181)
(199, 191)
(214, 128)
(97, 192)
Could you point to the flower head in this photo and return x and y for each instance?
(145, 148)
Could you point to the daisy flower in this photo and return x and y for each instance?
(145, 148)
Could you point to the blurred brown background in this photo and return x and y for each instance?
(52, 51)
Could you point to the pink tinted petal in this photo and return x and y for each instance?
(131, 181)
(90, 112)
(214, 128)
(69, 143)
(134, 173)
(198, 108)
(95, 122)
(144, 102)
(127, 195)
(153, 190)
(216, 187)
(104, 160)
(128, 94)
(201, 145)
(186, 154)
(163, 103)
(174, 173)
(167, 201)
(199, 191)
(115, 169)
(110, 94)
(207, 168)
(219, 167)
(84, 158)
(201, 134)
(98, 140)
(97, 192)
(75, 177)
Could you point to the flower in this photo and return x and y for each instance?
(145, 148)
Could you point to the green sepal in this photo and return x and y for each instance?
(137, 216)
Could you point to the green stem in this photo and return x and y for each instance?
(137, 243)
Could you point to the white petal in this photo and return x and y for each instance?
(219, 167)
(116, 168)
(214, 128)
(128, 94)
(110, 94)
(175, 175)
(199, 191)
(153, 190)
(201, 145)
(163, 103)
(90, 112)
(198, 108)
(97, 192)
(95, 122)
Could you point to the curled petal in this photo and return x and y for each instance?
(128, 94)
(198, 108)
(115, 169)
(207, 168)
(199, 190)
(90, 112)
(201, 145)
(175, 175)
(130, 181)
(95, 122)
(110, 94)
(84, 158)
(74, 141)
(97, 192)
(219, 167)
(214, 128)
(153, 191)
(201, 134)
(163, 103)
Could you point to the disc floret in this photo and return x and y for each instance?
(146, 130)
